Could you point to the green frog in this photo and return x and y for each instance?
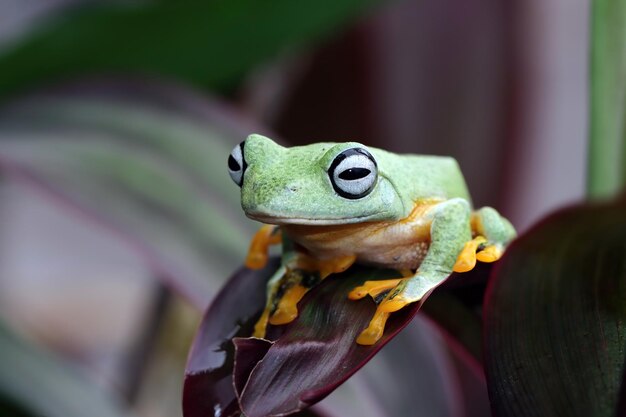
(333, 204)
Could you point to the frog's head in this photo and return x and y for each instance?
(319, 184)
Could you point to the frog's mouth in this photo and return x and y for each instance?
(280, 220)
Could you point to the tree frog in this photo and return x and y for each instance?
(334, 204)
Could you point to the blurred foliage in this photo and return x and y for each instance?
(32, 380)
(208, 43)
(146, 161)
(607, 145)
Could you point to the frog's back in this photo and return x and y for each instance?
(417, 177)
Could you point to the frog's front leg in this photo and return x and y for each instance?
(492, 233)
(258, 253)
(449, 231)
(497, 230)
(291, 282)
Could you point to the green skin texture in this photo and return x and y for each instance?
(292, 186)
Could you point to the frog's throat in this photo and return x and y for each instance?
(279, 220)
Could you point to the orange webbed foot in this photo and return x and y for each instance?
(466, 261)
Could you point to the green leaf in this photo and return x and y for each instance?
(34, 383)
(607, 147)
(555, 317)
(147, 162)
(208, 43)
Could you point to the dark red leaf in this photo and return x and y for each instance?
(555, 317)
(248, 352)
(328, 325)
(309, 412)
(318, 352)
(309, 357)
(413, 375)
(621, 406)
(208, 388)
(455, 308)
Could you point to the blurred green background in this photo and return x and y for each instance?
(119, 221)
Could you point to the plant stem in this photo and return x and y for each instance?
(607, 135)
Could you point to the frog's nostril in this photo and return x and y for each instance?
(293, 188)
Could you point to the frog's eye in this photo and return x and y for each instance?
(237, 164)
(353, 173)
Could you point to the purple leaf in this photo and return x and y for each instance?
(325, 329)
(414, 374)
(555, 316)
(317, 352)
(455, 308)
(208, 388)
(248, 353)
(309, 358)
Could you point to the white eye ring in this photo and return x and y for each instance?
(353, 173)
(237, 164)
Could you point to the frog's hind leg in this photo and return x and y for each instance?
(290, 283)
(295, 284)
(496, 230)
(304, 273)
(273, 288)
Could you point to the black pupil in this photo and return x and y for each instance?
(354, 174)
(232, 164)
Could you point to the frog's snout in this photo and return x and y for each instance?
(258, 195)
(271, 197)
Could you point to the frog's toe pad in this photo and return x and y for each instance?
(358, 293)
(375, 330)
(284, 315)
(394, 300)
(258, 252)
(491, 253)
(287, 309)
(394, 304)
(256, 260)
(466, 261)
(261, 325)
(373, 288)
